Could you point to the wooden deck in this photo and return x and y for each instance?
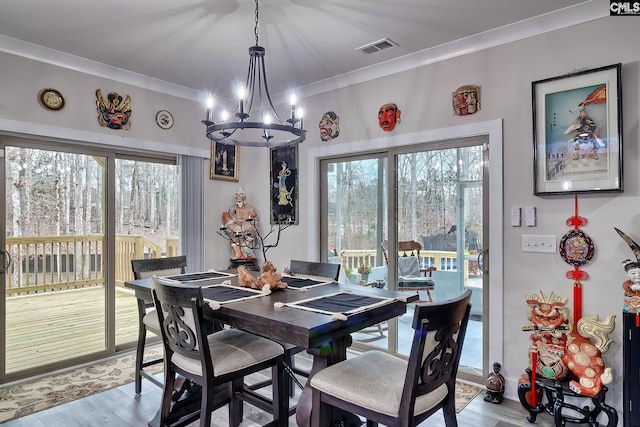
(50, 327)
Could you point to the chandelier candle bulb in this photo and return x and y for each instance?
(293, 107)
(210, 108)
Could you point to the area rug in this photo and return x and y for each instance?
(465, 393)
(31, 396)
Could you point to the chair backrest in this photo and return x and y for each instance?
(327, 270)
(184, 335)
(406, 248)
(440, 328)
(146, 268)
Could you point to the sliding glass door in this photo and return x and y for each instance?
(74, 218)
(55, 292)
(431, 194)
(440, 199)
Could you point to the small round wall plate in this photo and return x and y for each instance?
(51, 99)
(164, 119)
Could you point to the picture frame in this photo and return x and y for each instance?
(577, 132)
(284, 188)
(225, 162)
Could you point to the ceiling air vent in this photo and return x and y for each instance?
(377, 46)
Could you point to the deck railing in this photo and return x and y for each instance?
(441, 260)
(49, 263)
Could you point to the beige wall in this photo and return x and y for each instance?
(504, 73)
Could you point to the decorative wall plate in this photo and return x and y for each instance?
(164, 119)
(576, 248)
(51, 99)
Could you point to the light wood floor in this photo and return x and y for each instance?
(121, 407)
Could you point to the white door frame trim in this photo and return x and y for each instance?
(493, 129)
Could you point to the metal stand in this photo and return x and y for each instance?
(555, 393)
(247, 239)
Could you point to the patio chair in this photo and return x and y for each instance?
(217, 362)
(147, 317)
(390, 390)
(411, 275)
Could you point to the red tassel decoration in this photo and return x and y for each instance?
(577, 302)
(637, 319)
(534, 363)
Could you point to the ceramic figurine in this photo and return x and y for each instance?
(563, 352)
(239, 223)
(631, 286)
(495, 385)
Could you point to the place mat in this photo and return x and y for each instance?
(339, 305)
(204, 275)
(304, 282)
(216, 295)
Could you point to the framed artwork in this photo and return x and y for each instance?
(284, 188)
(224, 162)
(577, 132)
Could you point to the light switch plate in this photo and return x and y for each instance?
(515, 216)
(538, 243)
(530, 216)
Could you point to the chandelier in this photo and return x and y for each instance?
(270, 130)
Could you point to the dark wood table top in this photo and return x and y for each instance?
(299, 327)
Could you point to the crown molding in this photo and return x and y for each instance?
(569, 16)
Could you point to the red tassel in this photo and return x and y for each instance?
(637, 319)
(577, 302)
(534, 363)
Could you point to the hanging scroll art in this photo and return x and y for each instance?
(577, 249)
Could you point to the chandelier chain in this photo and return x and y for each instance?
(255, 29)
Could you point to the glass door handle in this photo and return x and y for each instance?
(481, 261)
(6, 260)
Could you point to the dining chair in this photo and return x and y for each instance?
(217, 362)
(389, 390)
(316, 270)
(147, 317)
(411, 275)
(319, 270)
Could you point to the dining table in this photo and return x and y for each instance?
(315, 314)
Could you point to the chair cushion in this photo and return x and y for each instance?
(409, 266)
(373, 380)
(232, 350)
(416, 283)
(151, 321)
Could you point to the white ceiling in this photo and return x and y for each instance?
(203, 44)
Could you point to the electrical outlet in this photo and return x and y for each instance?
(537, 243)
